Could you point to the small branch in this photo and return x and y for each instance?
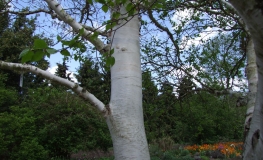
(227, 4)
(26, 12)
(71, 85)
(164, 29)
(102, 33)
(65, 17)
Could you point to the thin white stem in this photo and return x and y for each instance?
(64, 16)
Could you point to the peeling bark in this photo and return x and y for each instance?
(252, 77)
(251, 12)
(126, 120)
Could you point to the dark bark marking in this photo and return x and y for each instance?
(247, 127)
(107, 110)
(255, 138)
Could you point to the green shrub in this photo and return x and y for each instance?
(184, 152)
(155, 151)
(168, 156)
(66, 124)
(18, 136)
(205, 158)
(199, 118)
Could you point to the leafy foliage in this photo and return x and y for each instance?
(199, 117)
(65, 123)
(9, 96)
(18, 140)
(92, 76)
(13, 39)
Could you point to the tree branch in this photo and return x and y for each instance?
(61, 14)
(164, 29)
(102, 33)
(83, 93)
(26, 12)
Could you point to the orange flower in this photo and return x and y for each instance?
(226, 148)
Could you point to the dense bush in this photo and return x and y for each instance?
(9, 96)
(199, 118)
(18, 135)
(51, 123)
(65, 123)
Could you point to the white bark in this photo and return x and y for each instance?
(126, 119)
(252, 14)
(252, 77)
(62, 15)
(71, 85)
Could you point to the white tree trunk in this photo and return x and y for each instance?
(125, 120)
(251, 11)
(252, 77)
(124, 114)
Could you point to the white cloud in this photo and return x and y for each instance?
(181, 15)
(53, 69)
(207, 34)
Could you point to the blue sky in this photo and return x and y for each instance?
(45, 24)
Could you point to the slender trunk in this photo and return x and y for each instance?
(252, 77)
(125, 120)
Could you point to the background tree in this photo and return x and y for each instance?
(124, 113)
(95, 77)
(9, 96)
(14, 38)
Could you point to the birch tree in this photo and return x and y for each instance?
(252, 13)
(123, 114)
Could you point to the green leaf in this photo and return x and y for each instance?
(82, 47)
(65, 52)
(105, 8)
(38, 55)
(48, 55)
(108, 27)
(110, 61)
(118, 2)
(131, 12)
(66, 43)
(112, 4)
(101, 1)
(116, 15)
(89, 1)
(27, 56)
(24, 52)
(40, 44)
(59, 38)
(129, 7)
(81, 31)
(51, 51)
(111, 51)
(95, 35)
(76, 57)
(159, 5)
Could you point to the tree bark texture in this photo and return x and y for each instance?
(251, 11)
(126, 115)
(252, 77)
